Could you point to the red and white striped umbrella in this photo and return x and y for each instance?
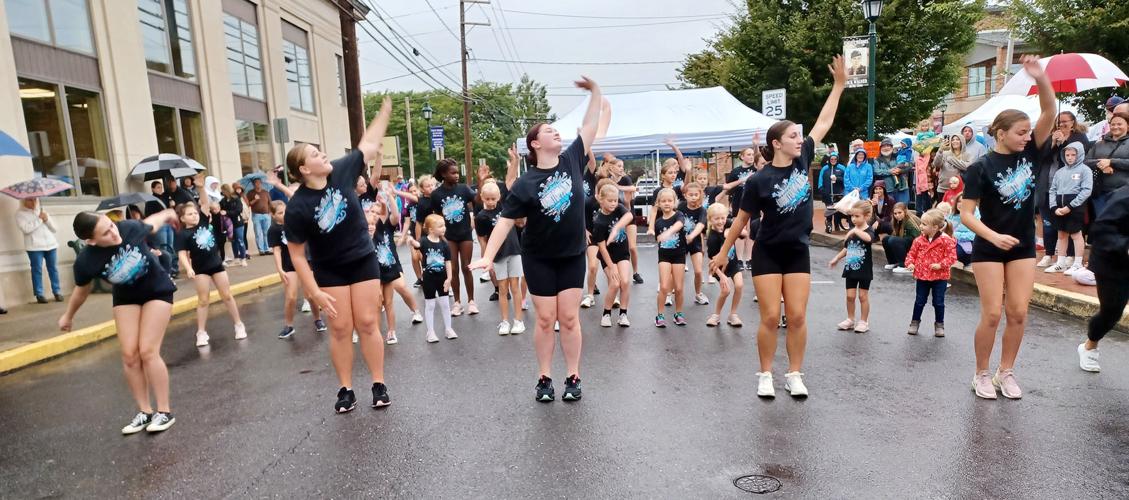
(1069, 73)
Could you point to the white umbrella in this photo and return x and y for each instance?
(1069, 73)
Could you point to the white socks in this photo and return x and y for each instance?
(445, 310)
(429, 312)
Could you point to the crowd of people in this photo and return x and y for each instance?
(546, 236)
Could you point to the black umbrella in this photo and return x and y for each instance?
(126, 199)
(166, 165)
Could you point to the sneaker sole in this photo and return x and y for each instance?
(544, 399)
(771, 395)
(381, 404)
(982, 396)
(570, 397)
(736, 325)
(796, 395)
(1004, 394)
(130, 432)
(345, 410)
(161, 428)
(392, 342)
(286, 336)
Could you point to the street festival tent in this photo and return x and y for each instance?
(698, 119)
(981, 117)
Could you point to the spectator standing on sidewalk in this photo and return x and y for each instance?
(900, 175)
(162, 239)
(1067, 131)
(924, 181)
(972, 147)
(859, 174)
(259, 200)
(884, 166)
(232, 206)
(1109, 159)
(41, 246)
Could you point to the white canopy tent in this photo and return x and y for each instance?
(699, 119)
(981, 117)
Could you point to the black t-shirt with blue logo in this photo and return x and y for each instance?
(384, 242)
(276, 237)
(435, 256)
(552, 201)
(451, 202)
(330, 220)
(714, 241)
(135, 273)
(484, 222)
(676, 243)
(858, 264)
(692, 217)
(783, 196)
(602, 225)
(589, 182)
(1005, 188)
(200, 243)
(742, 173)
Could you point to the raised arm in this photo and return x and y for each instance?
(160, 219)
(591, 123)
(1048, 102)
(677, 154)
(827, 115)
(511, 166)
(374, 135)
(272, 179)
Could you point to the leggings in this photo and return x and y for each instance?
(1113, 294)
(924, 288)
(896, 248)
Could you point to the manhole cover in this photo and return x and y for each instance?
(757, 483)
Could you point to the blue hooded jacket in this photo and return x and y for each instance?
(859, 175)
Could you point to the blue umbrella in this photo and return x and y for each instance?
(248, 181)
(10, 147)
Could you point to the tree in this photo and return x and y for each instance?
(1078, 26)
(498, 116)
(788, 44)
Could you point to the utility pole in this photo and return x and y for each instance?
(466, 93)
(411, 152)
(351, 13)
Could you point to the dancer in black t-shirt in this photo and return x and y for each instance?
(199, 256)
(142, 292)
(550, 195)
(1002, 185)
(276, 240)
(342, 276)
(455, 202)
(781, 192)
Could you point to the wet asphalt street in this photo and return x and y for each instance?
(666, 413)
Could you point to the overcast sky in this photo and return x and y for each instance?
(642, 31)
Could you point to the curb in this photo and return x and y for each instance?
(1045, 297)
(20, 357)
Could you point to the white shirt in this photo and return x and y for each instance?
(38, 234)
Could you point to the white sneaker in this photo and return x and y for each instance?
(1057, 267)
(451, 335)
(701, 299)
(240, 331)
(306, 306)
(846, 324)
(431, 337)
(417, 318)
(356, 338)
(517, 328)
(623, 321)
(504, 328)
(669, 299)
(764, 385)
(556, 326)
(1088, 360)
(1073, 269)
(201, 338)
(456, 309)
(889, 267)
(587, 301)
(606, 321)
(484, 278)
(794, 382)
(243, 263)
(391, 339)
(1069, 261)
(862, 327)
(902, 270)
(712, 280)
(1046, 261)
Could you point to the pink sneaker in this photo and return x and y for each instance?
(456, 309)
(982, 385)
(847, 324)
(1005, 381)
(471, 307)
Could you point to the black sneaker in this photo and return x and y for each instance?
(346, 401)
(319, 326)
(545, 390)
(572, 389)
(41, 299)
(138, 424)
(638, 279)
(58, 297)
(419, 283)
(160, 422)
(380, 395)
(286, 332)
(494, 296)
(595, 290)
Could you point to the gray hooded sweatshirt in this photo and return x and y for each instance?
(973, 150)
(1075, 178)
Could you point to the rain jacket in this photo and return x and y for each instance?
(1072, 179)
(951, 195)
(826, 188)
(942, 249)
(882, 167)
(1117, 152)
(1052, 162)
(922, 180)
(904, 161)
(859, 176)
(38, 235)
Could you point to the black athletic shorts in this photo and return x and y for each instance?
(984, 251)
(672, 256)
(548, 277)
(212, 272)
(328, 274)
(390, 274)
(856, 283)
(141, 301)
(433, 285)
(733, 268)
(788, 258)
(694, 246)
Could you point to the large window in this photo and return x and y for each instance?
(977, 81)
(341, 80)
(181, 132)
(166, 33)
(62, 23)
(244, 65)
(299, 84)
(254, 146)
(67, 133)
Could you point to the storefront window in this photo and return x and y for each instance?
(180, 132)
(168, 139)
(92, 154)
(192, 133)
(70, 146)
(62, 23)
(47, 139)
(254, 146)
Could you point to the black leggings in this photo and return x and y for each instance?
(896, 248)
(1113, 294)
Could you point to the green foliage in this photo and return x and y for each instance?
(1057, 26)
(497, 118)
(788, 44)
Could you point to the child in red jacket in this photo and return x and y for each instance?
(930, 257)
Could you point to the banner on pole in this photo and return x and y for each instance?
(856, 52)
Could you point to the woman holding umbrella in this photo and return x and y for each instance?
(41, 246)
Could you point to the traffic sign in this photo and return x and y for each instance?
(774, 103)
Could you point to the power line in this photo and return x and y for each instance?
(375, 9)
(546, 28)
(573, 63)
(603, 86)
(418, 12)
(374, 82)
(506, 35)
(501, 50)
(550, 14)
(440, 18)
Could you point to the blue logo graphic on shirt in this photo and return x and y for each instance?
(745, 175)
(669, 243)
(587, 189)
(1015, 185)
(793, 192)
(689, 224)
(434, 262)
(204, 238)
(330, 210)
(384, 254)
(620, 236)
(556, 195)
(732, 255)
(453, 208)
(856, 255)
(126, 266)
(367, 204)
(412, 212)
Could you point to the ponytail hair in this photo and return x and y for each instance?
(295, 159)
(775, 133)
(531, 136)
(84, 224)
(1005, 121)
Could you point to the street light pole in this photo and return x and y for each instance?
(870, 78)
(427, 117)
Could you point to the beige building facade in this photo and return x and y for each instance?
(91, 87)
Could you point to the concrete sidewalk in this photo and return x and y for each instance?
(1053, 291)
(30, 333)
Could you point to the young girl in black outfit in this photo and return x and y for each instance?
(694, 211)
(550, 195)
(455, 202)
(142, 291)
(342, 276)
(671, 239)
(1002, 185)
(609, 231)
(385, 219)
(437, 275)
(200, 260)
(729, 279)
(781, 191)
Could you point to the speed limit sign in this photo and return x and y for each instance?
(774, 103)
